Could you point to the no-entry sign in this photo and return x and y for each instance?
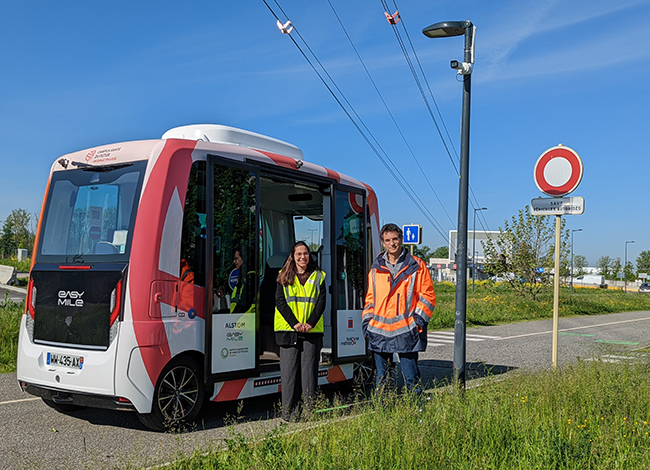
(558, 171)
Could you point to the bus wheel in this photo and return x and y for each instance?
(364, 371)
(178, 396)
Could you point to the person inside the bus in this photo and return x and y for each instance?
(187, 275)
(300, 302)
(241, 299)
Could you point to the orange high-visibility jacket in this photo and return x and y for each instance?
(397, 310)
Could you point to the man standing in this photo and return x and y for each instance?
(399, 305)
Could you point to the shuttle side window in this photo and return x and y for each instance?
(192, 262)
(350, 251)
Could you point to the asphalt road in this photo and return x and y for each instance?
(33, 435)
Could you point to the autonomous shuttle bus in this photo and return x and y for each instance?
(155, 264)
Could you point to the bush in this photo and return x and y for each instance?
(10, 317)
(21, 266)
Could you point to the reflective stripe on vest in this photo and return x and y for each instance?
(302, 301)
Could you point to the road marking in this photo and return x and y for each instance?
(573, 334)
(576, 328)
(451, 333)
(17, 401)
(615, 342)
(441, 338)
(614, 359)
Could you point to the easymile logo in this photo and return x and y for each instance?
(71, 298)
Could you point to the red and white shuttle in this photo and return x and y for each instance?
(155, 264)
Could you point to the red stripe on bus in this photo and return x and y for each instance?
(336, 375)
(231, 390)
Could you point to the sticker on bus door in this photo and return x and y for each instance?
(233, 342)
(350, 336)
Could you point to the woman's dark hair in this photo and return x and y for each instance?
(287, 274)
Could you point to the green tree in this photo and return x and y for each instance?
(643, 262)
(23, 237)
(423, 252)
(615, 267)
(523, 246)
(604, 266)
(579, 264)
(441, 252)
(629, 271)
(7, 240)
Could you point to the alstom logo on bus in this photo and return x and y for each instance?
(558, 171)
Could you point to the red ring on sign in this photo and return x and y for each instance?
(356, 202)
(576, 171)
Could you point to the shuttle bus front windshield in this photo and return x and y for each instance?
(90, 213)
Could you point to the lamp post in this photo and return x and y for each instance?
(312, 230)
(442, 30)
(576, 230)
(474, 246)
(625, 265)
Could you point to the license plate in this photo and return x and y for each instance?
(65, 360)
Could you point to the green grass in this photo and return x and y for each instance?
(587, 416)
(495, 303)
(10, 316)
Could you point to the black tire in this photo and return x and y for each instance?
(178, 397)
(62, 407)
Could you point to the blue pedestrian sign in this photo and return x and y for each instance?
(412, 234)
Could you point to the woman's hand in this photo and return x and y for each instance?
(302, 327)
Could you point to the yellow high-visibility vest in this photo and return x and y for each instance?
(302, 301)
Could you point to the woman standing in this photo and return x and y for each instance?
(300, 302)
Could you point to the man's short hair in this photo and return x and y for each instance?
(391, 228)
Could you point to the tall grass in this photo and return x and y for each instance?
(10, 316)
(589, 415)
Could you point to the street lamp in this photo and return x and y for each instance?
(312, 230)
(474, 246)
(625, 265)
(442, 30)
(576, 230)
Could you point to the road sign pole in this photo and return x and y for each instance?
(556, 290)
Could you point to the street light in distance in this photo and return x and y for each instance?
(625, 265)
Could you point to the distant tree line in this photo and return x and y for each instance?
(18, 231)
(611, 267)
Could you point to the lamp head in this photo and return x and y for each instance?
(446, 29)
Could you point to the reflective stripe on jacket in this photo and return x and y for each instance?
(302, 300)
(398, 309)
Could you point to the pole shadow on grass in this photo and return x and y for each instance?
(437, 373)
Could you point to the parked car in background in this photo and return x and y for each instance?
(645, 288)
(590, 280)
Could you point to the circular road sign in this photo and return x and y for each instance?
(558, 171)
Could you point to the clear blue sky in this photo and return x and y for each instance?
(80, 74)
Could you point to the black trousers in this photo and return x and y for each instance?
(299, 373)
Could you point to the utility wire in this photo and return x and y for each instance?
(393, 170)
(389, 111)
(475, 202)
